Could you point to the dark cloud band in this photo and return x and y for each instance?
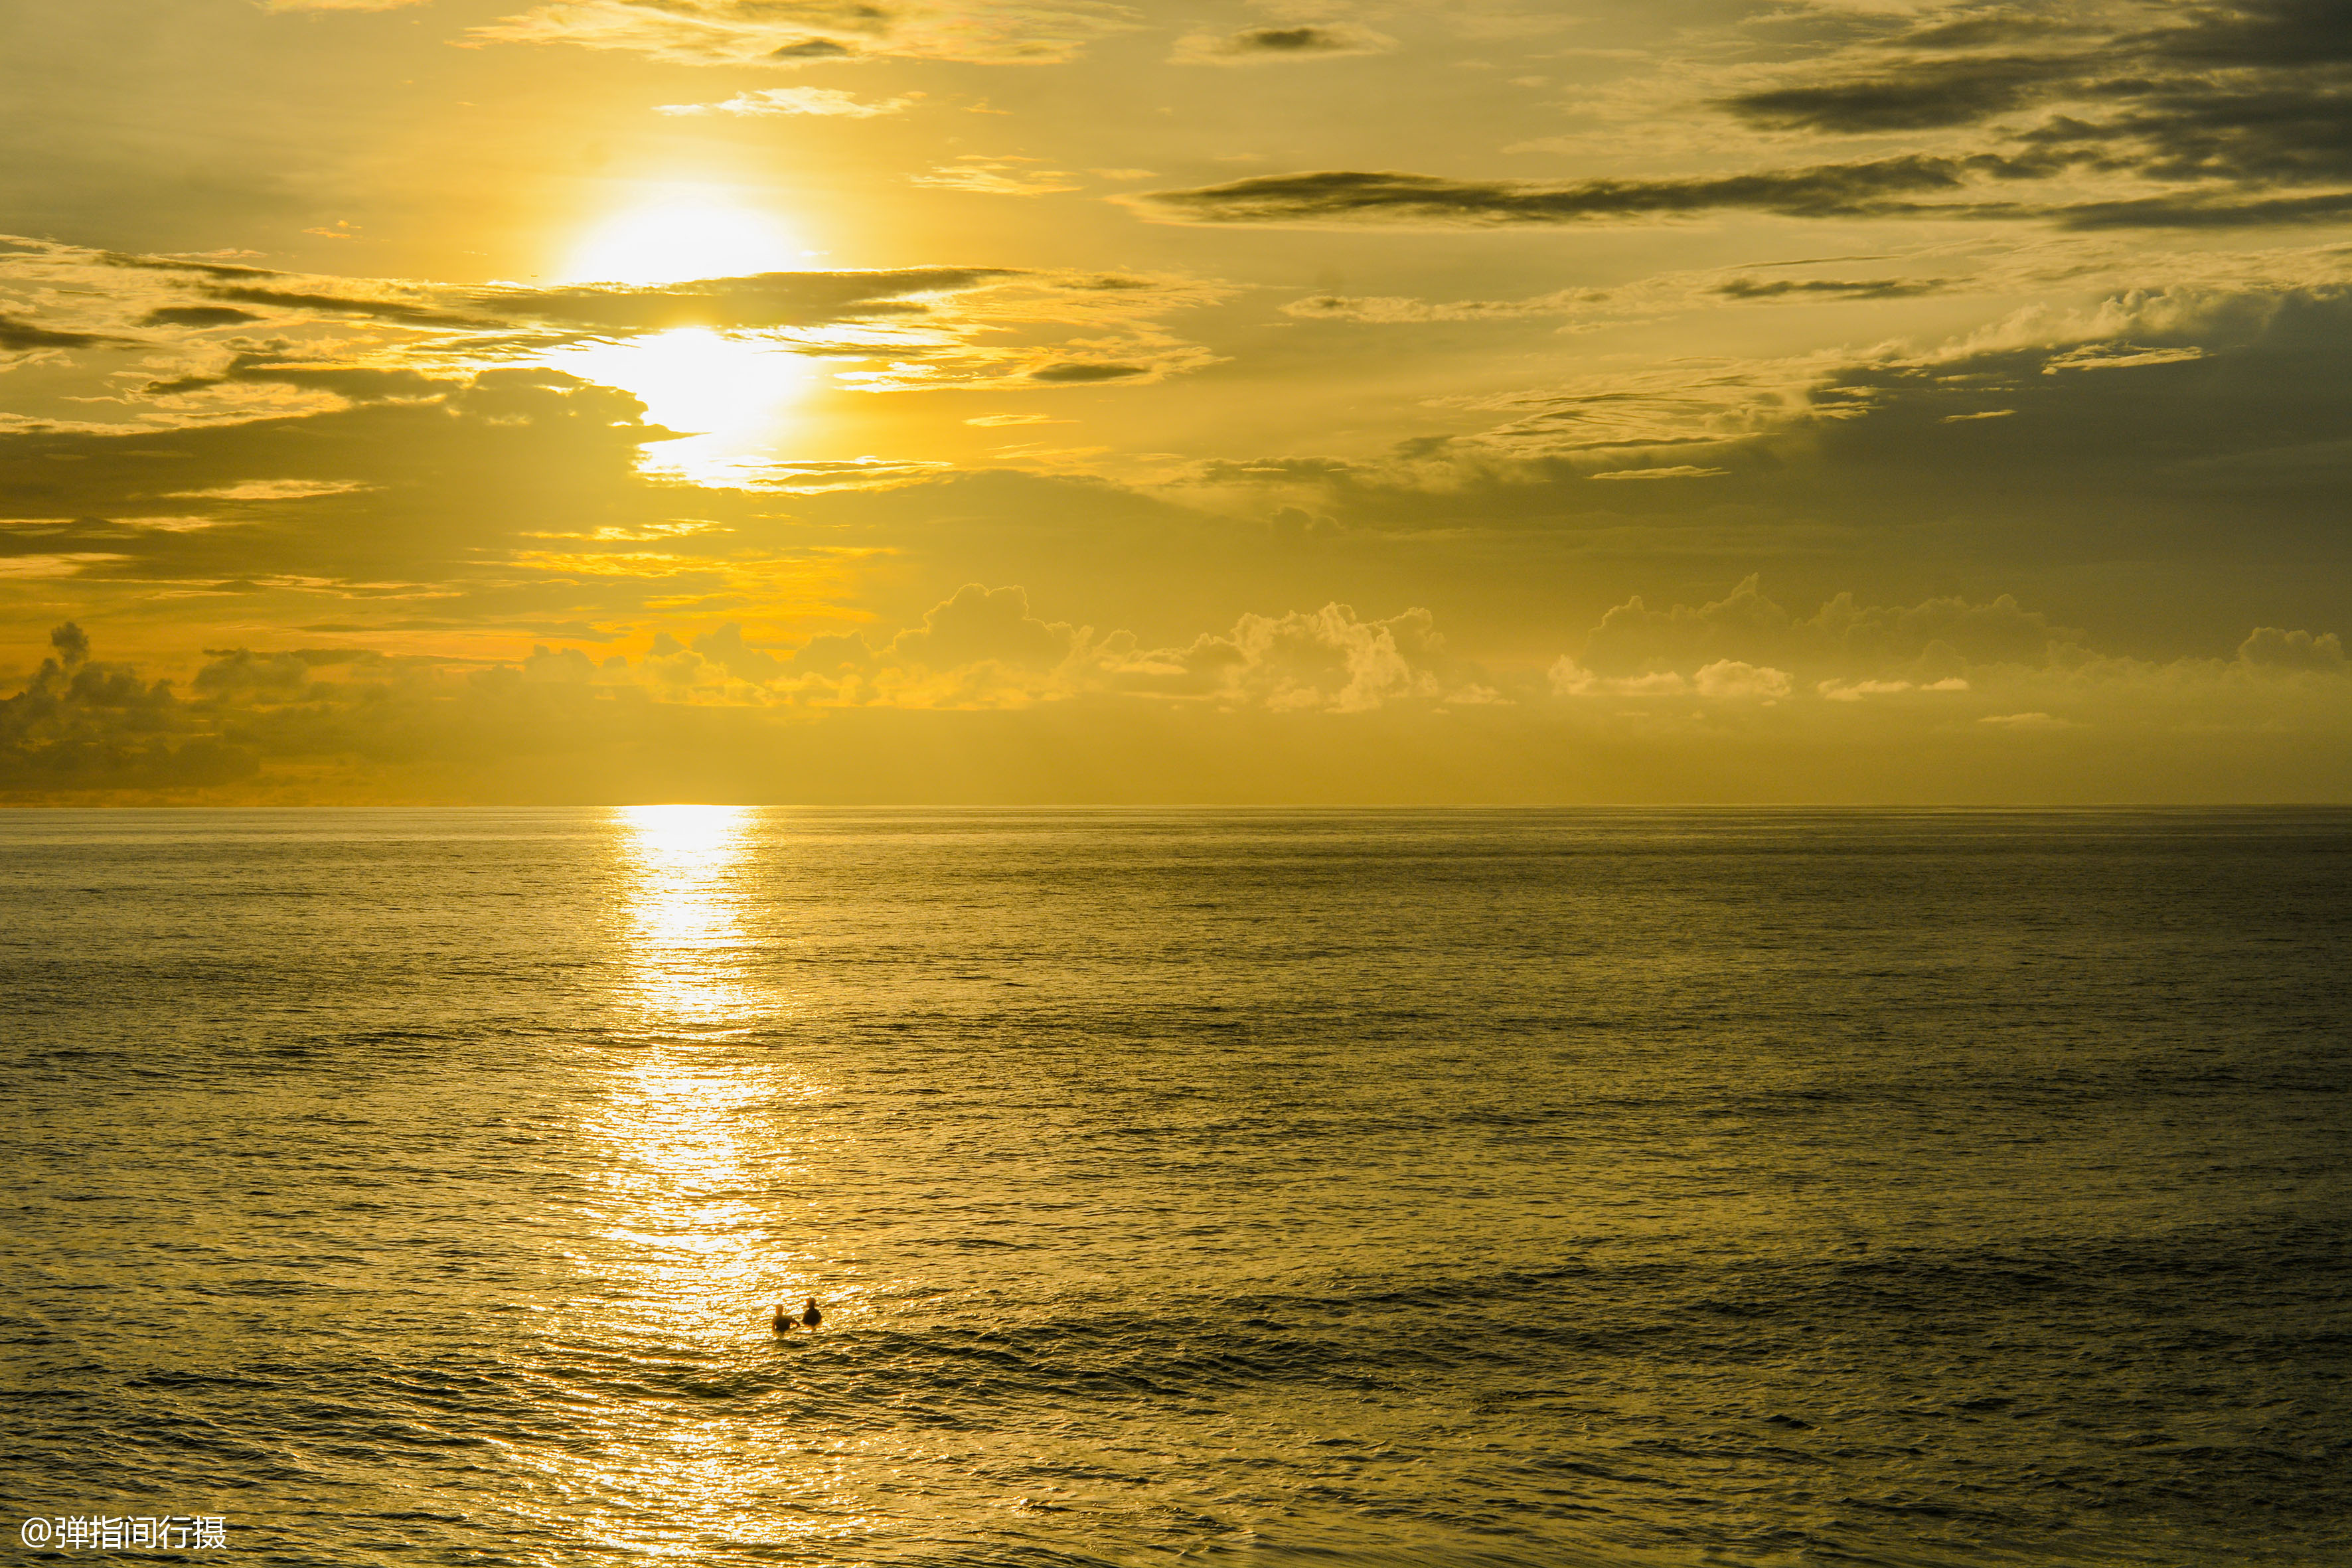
(1827, 190)
(764, 300)
(2257, 93)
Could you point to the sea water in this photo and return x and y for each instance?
(1258, 1187)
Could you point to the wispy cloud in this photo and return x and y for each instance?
(997, 177)
(211, 341)
(275, 489)
(1664, 471)
(1874, 188)
(786, 33)
(819, 100)
(1270, 45)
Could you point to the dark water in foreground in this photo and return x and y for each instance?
(1350, 1188)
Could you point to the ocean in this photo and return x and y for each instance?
(1264, 1187)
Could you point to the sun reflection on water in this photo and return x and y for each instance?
(688, 1180)
(698, 1160)
(704, 1212)
(684, 906)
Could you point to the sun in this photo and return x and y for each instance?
(728, 396)
(695, 381)
(682, 233)
(727, 392)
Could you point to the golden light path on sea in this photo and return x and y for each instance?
(699, 1177)
(682, 863)
(685, 1222)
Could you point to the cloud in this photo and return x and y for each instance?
(2272, 649)
(168, 346)
(727, 649)
(820, 100)
(2120, 117)
(2249, 94)
(386, 307)
(1666, 472)
(1879, 188)
(1932, 672)
(2198, 392)
(1595, 422)
(81, 724)
(1259, 45)
(2160, 402)
(2196, 211)
(1328, 661)
(1390, 309)
(1860, 457)
(389, 504)
(19, 335)
(984, 647)
(1874, 188)
(1925, 643)
(1322, 705)
(49, 564)
(71, 645)
(2117, 356)
(1733, 679)
(205, 265)
(980, 625)
(1069, 372)
(274, 489)
(1925, 95)
(1831, 287)
(1859, 690)
(1647, 299)
(761, 300)
(980, 647)
(1725, 680)
(197, 316)
(997, 177)
(784, 33)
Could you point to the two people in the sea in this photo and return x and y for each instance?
(786, 1322)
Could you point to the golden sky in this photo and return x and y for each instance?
(1832, 400)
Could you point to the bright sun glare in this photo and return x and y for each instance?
(681, 235)
(728, 394)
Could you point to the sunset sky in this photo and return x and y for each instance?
(791, 400)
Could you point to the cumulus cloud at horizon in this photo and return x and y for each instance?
(1726, 675)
